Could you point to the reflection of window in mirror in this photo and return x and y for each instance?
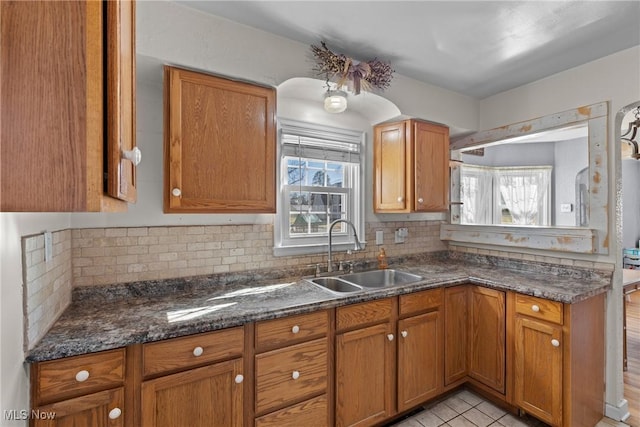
(534, 180)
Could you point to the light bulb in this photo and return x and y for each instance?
(335, 101)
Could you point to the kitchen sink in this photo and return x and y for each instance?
(355, 282)
(335, 284)
(381, 278)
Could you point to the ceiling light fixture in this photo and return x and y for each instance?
(335, 101)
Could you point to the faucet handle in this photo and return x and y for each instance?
(317, 270)
(341, 266)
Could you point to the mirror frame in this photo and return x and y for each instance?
(592, 239)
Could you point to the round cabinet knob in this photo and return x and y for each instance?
(404, 334)
(400, 199)
(420, 200)
(135, 155)
(295, 329)
(198, 351)
(82, 376)
(176, 192)
(535, 308)
(555, 343)
(239, 378)
(390, 337)
(295, 375)
(115, 413)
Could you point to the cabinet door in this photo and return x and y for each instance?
(431, 152)
(103, 409)
(487, 337)
(365, 375)
(219, 144)
(455, 339)
(392, 161)
(204, 397)
(538, 369)
(121, 109)
(419, 359)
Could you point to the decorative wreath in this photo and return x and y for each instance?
(356, 75)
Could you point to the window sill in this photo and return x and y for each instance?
(313, 249)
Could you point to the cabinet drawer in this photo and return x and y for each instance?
(420, 301)
(312, 412)
(78, 375)
(352, 316)
(286, 375)
(539, 308)
(280, 332)
(182, 353)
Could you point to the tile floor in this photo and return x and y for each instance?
(466, 409)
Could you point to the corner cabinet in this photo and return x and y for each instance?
(220, 145)
(411, 167)
(68, 106)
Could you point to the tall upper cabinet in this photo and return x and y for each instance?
(220, 144)
(411, 167)
(67, 132)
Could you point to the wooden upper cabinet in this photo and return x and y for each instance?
(411, 167)
(220, 144)
(68, 105)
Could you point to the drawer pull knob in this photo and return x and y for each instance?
(82, 376)
(420, 200)
(176, 192)
(295, 375)
(555, 343)
(115, 413)
(135, 155)
(390, 337)
(239, 378)
(295, 329)
(404, 334)
(400, 199)
(198, 351)
(535, 308)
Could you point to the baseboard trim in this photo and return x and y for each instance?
(618, 413)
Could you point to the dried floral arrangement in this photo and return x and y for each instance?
(356, 75)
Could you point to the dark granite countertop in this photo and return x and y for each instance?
(115, 316)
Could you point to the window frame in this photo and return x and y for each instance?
(343, 240)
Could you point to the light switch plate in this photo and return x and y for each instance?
(379, 237)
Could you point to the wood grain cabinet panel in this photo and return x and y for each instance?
(102, 409)
(62, 62)
(201, 397)
(538, 369)
(419, 359)
(290, 374)
(194, 350)
(365, 383)
(456, 342)
(312, 412)
(74, 376)
(487, 337)
(411, 167)
(220, 144)
(290, 330)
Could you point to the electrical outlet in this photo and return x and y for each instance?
(398, 237)
(48, 246)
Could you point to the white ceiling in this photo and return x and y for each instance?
(478, 48)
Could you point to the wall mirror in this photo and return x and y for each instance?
(536, 184)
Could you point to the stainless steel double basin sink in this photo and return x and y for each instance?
(354, 282)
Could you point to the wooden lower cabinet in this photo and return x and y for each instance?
(456, 302)
(487, 337)
(358, 365)
(201, 397)
(538, 369)
(419, 359)
(365, 375)
(102, 409)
